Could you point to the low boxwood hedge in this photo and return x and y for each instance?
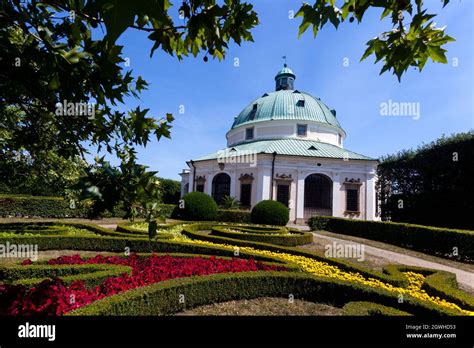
(34, 206)
(57, 207)
(291, 238)
(233, 215)
(176, 295)
(91, 275)
(371, 309)
(431, 240)
(392, 274)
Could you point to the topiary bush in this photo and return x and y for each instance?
(270, 213)
(198, 207)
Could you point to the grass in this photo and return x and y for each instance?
(459, 265)
(264, 306)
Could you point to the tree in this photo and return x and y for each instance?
(170, 191)
(431, 185)
(67, 80)
(405, 45)
(64, 72)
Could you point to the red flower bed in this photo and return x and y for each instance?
(53, 297)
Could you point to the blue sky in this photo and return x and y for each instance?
(213, 93)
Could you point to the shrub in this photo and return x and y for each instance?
(234, 215)
(270, 213)
(371, 309)
(432, 240)
(229, 202)
(291, 238)
(198, 207)
(161, 298)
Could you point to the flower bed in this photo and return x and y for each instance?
(54, 297)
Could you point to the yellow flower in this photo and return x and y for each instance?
(323, 269)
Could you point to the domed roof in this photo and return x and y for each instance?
(287, 105)
(285, 71)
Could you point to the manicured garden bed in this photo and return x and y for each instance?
(246, 269)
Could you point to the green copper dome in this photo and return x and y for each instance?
(286, 103)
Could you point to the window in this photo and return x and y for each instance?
(301, 130)
(339, 139)
(300, 103)
(283, 194)
(200, 187)
(352, 199)
(253, 112)
(284, 81)
(245, 195)
(249, 133)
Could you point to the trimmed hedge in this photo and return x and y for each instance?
(198, 206)
(293, 239)
(233, 215)
(56, 207)
(269, 212)
(371, 309)
(33, 206)
(164, 298)
(91, 275)
(431, 240)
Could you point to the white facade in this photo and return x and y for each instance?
(296, 158)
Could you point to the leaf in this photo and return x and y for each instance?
(437, 54)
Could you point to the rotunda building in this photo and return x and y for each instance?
(287, 146)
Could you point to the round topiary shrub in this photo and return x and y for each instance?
(270, 213)
(198, 207)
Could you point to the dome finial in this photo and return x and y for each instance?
(285, 78)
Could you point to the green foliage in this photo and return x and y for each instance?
(443, 242)
(52, 56)
(412, 39)
(92, 275)
(198, 207)
(130, 185)
(270, 213)
(430, 185)
(229, 202)
(301, 285)
(53, 207)
(228, 215)
(170, 191)
(287, 238)
(371, 309)
(160, 298)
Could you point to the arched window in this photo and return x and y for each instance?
(317, 195)
(220, 187)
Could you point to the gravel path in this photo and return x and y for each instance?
(111, 226)
(463, 277)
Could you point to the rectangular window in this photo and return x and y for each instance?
(352, 200)
(245, 195)
(283, 194)
(302, 130)
(200, 187)
(249, 133)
